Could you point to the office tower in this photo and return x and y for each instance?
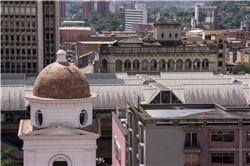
(62, 8)
(29, 35)
(137, 15)
(87, 8)
(206, 16)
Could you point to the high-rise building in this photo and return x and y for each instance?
(29, 35)
(206, 16)
(137, 15)
(62, 8)
(102, 7)
(87, 8)
(245, 25)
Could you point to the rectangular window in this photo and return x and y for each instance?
(34, 51)
(248, 158)
(12, 51)
(7, 51)
(28, 51)
(52, 49)
(47, 36)
(17, 38)
(1, 51)
(220, 46)
(12, 37)
(29, 66)
(7, 64)
(18, 51)
(220, 56)
(222, 158)
(248, 135)
(52, 36)
(24, 66)
(23, 51)
(18, 65)
(34, 65)
(12, 65)
(222, 136)
(28, 38)
(220, 63)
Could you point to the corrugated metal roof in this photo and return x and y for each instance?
(146, 77)
(189, 75)
(223, 94)
(112, 95)
(12, 98)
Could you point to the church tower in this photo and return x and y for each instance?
(61, 130)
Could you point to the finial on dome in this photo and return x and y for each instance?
(61, 56)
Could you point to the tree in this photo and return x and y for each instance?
(94, 19)
(242, 68)
(67, 24)
(5, 161)
(141, 34)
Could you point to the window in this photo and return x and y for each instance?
(28, 51)
(34, 65)
(12, 51)
(12, 65)
(34, 38)
(6, 37)
(248, 135)
(23, 65)
(220, 56)
(176, 35)
(83, 117)
(12, 37)
(18, 65)
(248, 158)
(222, 136)
(18, 51)
(29, 66)
(170, 35)
(34, 51)
(220, 63)
(17, 38)
(220, 46)
(241, 34)
(222, 158)
(39, 118)
(28, 38)
(162, 35)
(52, 49)
(7, 51)
(47, 36)
(52, 36)
(1, 51)
(23, 51)
(7, 64)
(237, 34)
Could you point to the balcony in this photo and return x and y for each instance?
(191, 147)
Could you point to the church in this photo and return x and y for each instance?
(61, 130)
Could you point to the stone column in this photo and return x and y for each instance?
(148, 67)
(192, 66)
(131, 67)
(139, 67)
(183, 66)
(122, 67)
(201, 66)
(157, 67)
(240, 146)
(174, 66)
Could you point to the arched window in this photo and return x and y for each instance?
(127, 65)
(136, 65)
(144, 65)
(60, 163)
(153, 65)
(179, 63)
(162, 64)
(83, 118)
(118, 65)
(170, 64)
(104, 64)
(205, 64)
(196, 64)
(38, 118)
(60, 160)
(188, 64)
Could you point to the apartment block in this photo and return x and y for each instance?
(87, 8)
(62, 8)
(137, 15)
(207, 16)
(29, 35)
(102, 7)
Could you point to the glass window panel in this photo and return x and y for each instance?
(216, 137)
(228, 138)
(228, 159)
(216, 159)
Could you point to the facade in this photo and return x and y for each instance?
(87, 8)
(138, 15)
(158, 136)
(28, 42)
(245, 25)
(61, 127)
(207, 16)
(163, 52)
(71, 34)
(237, 34)
(141, 27)
(62, 8)
(243, 55)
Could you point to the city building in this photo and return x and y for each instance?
(62, 8)
(162, 52)
(237, 34)
(245, 25)
(29, 35)
(71, 34)
(137, 15)
(209, 38)
(243, 55)
(121, 12)
(206, 16)
(102, 7)
(87, 8)
(61, 129)
(141, 27)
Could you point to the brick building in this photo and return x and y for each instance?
(141, 27)
(239, 34)
(87, 8)
(70, 34)
(62, 8)
(102, 7)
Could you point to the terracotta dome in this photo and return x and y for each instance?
(61, 80)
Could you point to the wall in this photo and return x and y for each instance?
(166, 30)
(122, 143)
(164, 146)
(71, 35)
(85, 48)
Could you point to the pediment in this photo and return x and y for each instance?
(149, 39)
(60, 130)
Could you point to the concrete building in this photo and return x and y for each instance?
(53, 128)
(206, 16)
(245, 25)
(243, 55)
(162, 52)
(62, 8)
(138, 15)
(29, 35)
(87, 8)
